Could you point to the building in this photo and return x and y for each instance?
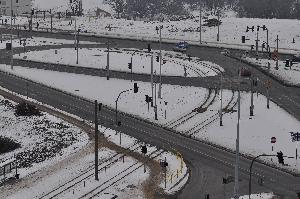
(19, 7)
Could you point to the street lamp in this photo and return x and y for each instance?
(135, 89)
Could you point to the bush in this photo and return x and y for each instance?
(25, 109)
(7, 145)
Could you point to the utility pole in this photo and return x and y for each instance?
(200, 21)
(221, 100)
(51, 20)
(236, 173)
(96, 141)
(152, 80)
(160, 63)
(218, 35)
(256, 43)
(277, 45)
(107, 65)
(77, 44)
(252, 106)
(131, 69)
(11, 37)
(155, 104)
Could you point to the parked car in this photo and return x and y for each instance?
(181, 47)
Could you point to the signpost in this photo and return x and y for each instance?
(295, 138)
(273, 141)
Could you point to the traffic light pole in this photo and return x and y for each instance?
(263, 155)
(77, 46)
(251, 106)
(96, 141)
(131, 69)
(256, 44)
(152, 79)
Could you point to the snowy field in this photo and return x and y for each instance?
(39, 41)
(231, 30)
(290, 75)
(256, 131)
(44, 139)
(175, 64)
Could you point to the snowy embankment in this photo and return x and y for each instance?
(256, 131)
(289, 75)
(43, 139)
(231, 30)
(175, 64)
(259, 196)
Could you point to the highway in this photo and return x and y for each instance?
(208, 164)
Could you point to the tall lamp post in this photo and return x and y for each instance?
(250, 174)
(135, 89)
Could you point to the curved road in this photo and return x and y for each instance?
(208, 164)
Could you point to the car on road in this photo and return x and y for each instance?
(225, 52)
(181, 47)
(245, 72)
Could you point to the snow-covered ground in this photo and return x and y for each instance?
(39, 41)
(290, 75)
(176, 64)
(256, 131)
(44, 139)
(231, 30)
(129, 186)
(259, 196)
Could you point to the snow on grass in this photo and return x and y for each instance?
(44, 139)
(83, 167)
(119, 59)
(290, 75)
(179, 98)
(231, 30)
(39, 41)
(177, 173)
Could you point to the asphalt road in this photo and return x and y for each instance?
(208, 164)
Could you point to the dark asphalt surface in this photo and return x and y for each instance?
(208, 164)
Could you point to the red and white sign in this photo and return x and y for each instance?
(273, 140)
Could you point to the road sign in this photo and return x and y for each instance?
(273, 140)
(295, 136)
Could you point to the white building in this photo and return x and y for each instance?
(19, 7)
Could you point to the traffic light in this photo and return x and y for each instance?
(164, 61)
(157, 58)
(263, 45)
(149, 48)
(189, 57)
(100, 106)
(280, 157)
(243, 39)
(287, 63)
(135, 88)
(150, 99)
(264, 27)
(144, 149)
(130, 66)
(147, 98)
(32, 12)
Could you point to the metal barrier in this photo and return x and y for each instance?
(6, 170)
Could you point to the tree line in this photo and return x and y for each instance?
(283, 9)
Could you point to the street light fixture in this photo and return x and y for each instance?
(135, 89)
